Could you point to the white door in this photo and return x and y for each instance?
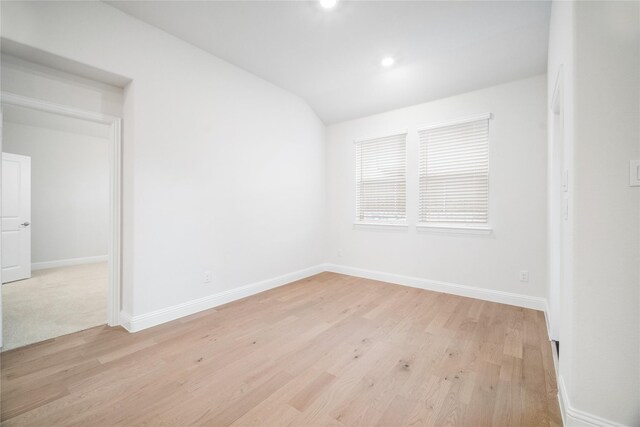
(16, 217)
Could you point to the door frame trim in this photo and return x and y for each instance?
(115, 187)
(554, 204)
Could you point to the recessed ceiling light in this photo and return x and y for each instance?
(387, 62)
(328, 4)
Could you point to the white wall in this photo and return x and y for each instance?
(222, 171)
(607, 211)
(69, 191)
(598, 45)
(517, 195)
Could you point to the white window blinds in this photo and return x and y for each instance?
(381, 180)
(454, 173)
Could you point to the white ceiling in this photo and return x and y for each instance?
(331, 58)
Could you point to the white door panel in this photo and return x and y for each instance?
(10, 189)
(11, 239)
(16, 217)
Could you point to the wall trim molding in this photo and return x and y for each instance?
(124, 320)
(163, 315)
(575, 417)
(546, 318)
(536, 303)
(68, 262)
(41, 105)
(157, 317)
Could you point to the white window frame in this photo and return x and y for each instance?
(391, 225)
(466, 228)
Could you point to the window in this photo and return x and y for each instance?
(454, 174)
(381, 180)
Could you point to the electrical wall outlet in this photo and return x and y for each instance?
(339, 253)
(524, 276)
(634, 173)
(207, 277)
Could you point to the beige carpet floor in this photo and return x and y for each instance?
(54, 302)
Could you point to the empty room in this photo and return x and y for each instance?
(320, 213)
(54, 267)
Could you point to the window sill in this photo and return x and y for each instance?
(455, 229)
(379, 226)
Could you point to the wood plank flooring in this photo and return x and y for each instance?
(330, 350)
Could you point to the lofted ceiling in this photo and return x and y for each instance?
(331, 58)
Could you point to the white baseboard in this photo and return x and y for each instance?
(68, 262)
(546, 318)
(144, 321)
(572, 417)
(519, 300)
(124, 320)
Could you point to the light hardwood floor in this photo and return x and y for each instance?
(330, 350)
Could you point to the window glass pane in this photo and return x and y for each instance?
(454, 173)
(381, 179)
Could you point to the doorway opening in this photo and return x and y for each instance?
(60, 220)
